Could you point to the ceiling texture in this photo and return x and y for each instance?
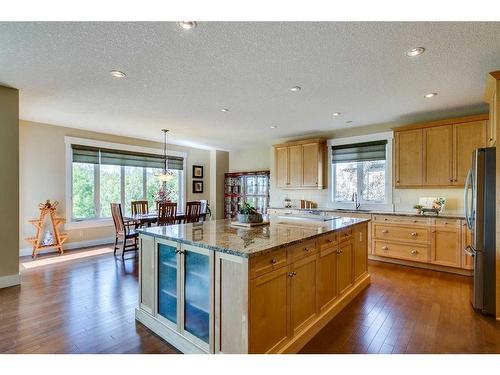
(181, 79)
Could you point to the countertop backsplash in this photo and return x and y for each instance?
(403, 199)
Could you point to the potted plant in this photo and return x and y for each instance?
(418, 207)
(248, 214)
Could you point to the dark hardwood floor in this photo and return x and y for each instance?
(87, 306)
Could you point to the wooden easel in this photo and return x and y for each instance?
(50, 209)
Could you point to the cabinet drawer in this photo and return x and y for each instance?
(345, 234)
(265, 263)
(417, 253)
(395, 219)
(302, 250)
(327, 241)
(447, 223)
(408, 234)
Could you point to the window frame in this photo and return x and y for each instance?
(364, 205)
(72, 223)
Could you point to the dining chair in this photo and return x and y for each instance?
(140, 207)
(192, 213)
(167, 213)
(123, 230)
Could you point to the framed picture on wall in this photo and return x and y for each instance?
(197, 187)
(197, 171)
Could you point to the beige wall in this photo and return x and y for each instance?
(43, 172)
(9, 181)
(262, 157)
(219, 164)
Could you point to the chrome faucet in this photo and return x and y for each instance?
(355, 200)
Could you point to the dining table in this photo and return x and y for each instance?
(152, 218)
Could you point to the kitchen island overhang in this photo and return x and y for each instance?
(213, 288)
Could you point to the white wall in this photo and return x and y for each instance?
(250, 159)
(42, 173)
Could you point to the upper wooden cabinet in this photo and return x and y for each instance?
(408, 158)
(300, 164)
(491, 97)
(439, 153)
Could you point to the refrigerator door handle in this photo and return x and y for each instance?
(468, 182)
(470, 251)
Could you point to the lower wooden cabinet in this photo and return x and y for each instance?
(446, 245)
(360, 248)
(344, 266)
(327, 276)
(269, 310)
(302, 292)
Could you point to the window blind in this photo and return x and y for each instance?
(94, 155)
(359, 152)
(85, 154)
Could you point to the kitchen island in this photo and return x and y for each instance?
(212, 287)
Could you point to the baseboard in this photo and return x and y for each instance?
(10, 280)
(70, 246)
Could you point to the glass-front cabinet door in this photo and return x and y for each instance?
(198, 263)
(168, 277)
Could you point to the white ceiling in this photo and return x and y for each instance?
(181, 79)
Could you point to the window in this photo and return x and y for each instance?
(102, 176)
(362, 169)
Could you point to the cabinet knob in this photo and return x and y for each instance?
(273, 261)
(385, 231)
(306, 249)
(414, 252)
(385, 248)
(340, 251)
(397, 181)
(329, 241)
(451, 180)
(414, 234)
(290, 274)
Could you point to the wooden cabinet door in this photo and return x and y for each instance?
(446, 246)
(492, 130)
(269, 311)
(466, 138)
(467, 260)
(281, 165)
(360, 239)
(438, 156)
(295, 166)
(408, 158)
(310, 164)
(344, 266)
(327, 276)
(303, 293)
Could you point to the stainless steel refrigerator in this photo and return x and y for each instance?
(480, 213)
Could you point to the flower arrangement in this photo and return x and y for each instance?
(163, 194)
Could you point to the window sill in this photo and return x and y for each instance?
(84, 224)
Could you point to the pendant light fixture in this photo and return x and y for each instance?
(165, 176)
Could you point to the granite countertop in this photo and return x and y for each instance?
(219, 235)
(444, 215)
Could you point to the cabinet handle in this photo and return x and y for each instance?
(414, 252)
(306, 249)
(451, 180)
(397, 181)
(291, 274)
(385, 248)
(385, 231)
(294, 273)
(414, 234)
(340, 252)
(273, 261)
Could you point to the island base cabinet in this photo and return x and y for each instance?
(344, 266)
(269, 311)
(146, 274)
(360, 249)
(303, 304)
(327, 277)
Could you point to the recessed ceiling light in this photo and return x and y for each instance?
(224, 110)
(117, 74)
(336, 114)
(273, 126)
(187, 25)
(296, 88)
(415, 51)
(430, 95)
(348, 122)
